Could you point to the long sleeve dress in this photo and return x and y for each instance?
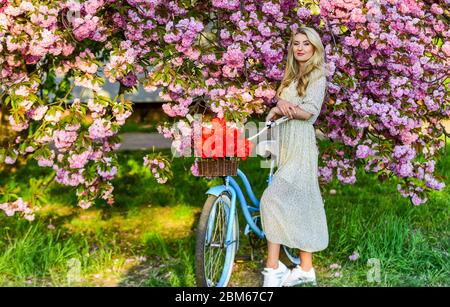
(292, 209)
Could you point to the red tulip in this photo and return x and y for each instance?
(245, 148)
(220, 128)
(230, 140)
(221, 141)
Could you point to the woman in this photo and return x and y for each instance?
(292, 210)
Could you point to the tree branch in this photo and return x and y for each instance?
(48, 183)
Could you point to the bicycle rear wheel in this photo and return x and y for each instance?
(289, 256)
(214, 258)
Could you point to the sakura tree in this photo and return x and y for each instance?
(388, 78)
(389, 91)
(388, 75)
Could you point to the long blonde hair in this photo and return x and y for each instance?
(313, 69)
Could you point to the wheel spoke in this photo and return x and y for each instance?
(215, 251)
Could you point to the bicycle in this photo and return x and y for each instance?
(217, 237)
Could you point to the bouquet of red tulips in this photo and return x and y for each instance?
(220, 148)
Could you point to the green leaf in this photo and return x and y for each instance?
(7, 100)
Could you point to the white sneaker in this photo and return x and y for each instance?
(299, 276)
(275, 277)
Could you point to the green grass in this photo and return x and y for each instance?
(32, 255)
(148, 237)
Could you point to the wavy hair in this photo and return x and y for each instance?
(313, 69)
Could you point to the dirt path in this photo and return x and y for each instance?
(142, 141)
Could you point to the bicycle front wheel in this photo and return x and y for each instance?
(214, 257)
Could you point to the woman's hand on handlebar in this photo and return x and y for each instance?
(274, 114)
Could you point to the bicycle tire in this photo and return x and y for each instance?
(204, 276)
(289, 256)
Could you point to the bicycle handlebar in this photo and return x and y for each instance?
(270, 124)
(277, 122)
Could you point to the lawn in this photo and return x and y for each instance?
(147, 237)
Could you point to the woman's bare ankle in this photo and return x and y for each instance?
(272, 265)
(306, 268)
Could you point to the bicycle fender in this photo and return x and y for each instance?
(217, 190)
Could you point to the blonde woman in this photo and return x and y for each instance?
(292, 209)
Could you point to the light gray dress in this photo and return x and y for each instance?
(292, 209)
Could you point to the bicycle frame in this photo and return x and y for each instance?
(236, 193)
(233, 188)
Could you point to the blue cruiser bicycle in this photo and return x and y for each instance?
(217, 238)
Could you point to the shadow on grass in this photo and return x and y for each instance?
(169, 263)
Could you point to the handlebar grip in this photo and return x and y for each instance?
(272, 123)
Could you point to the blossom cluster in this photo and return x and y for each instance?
(159, 167)
(19, 205)
(387, 63)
